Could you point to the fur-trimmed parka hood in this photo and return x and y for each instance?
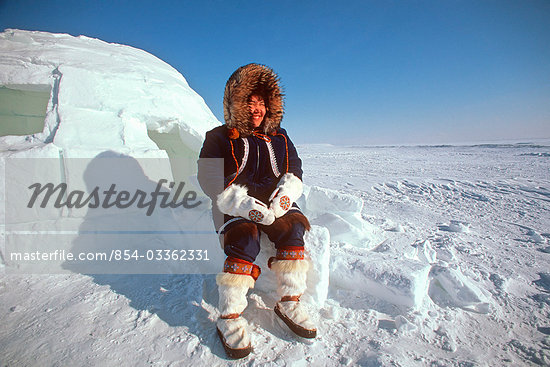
(245, 81)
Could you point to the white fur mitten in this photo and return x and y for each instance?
(287, 192)
(235, 201)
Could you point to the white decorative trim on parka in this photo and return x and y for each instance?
(237, 280)
(273, 159)
(245, 156)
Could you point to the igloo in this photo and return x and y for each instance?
(70, 104)
(65, 97)
(79, 96)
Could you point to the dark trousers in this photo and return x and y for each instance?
(242, 237)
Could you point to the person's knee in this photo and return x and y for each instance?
(242, 241)
(288, 221)
(288, 230)
(238, 232)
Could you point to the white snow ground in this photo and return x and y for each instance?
(475, 218)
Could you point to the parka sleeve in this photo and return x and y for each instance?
(211, 170)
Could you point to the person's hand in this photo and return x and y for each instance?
(235, 201)
(287, 192)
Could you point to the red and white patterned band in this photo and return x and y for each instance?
(239, 266)
(288, 253)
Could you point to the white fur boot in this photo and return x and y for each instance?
(232, 327)
(291, 279)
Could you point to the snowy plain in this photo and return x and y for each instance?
(423, 255)
(476, 216)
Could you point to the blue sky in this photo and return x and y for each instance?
(355, 72)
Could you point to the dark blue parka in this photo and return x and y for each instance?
(257, 161)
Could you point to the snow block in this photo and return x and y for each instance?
(341, 214)
(318, 250)
(317, 244)
(422, 251)
(339, 228)
(450, 288)
(396, 281)
(322, 200)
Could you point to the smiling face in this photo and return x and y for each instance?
(256, 106)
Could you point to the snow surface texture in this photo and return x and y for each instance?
(455, 273)
(422, 256)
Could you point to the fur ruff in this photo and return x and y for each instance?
(235, 280)
(290, 266)
(242, 83)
